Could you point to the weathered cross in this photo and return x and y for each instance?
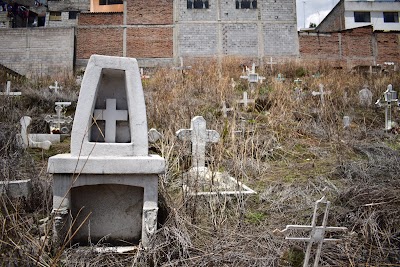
(58, 119)
(182, 67)
(199, 136)
(389, 97)
(321, 93)
(225, 110)
(8, 90)
(271, 63)
(317, 233)
(280, 77)
(245, 101)
(55, 87)
(110, 115)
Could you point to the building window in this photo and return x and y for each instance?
(111, 2)
(55, 16)
(197, 4)
(246, 4)
(362, 17)
(72, 14)
(391, 17)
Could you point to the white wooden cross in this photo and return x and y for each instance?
(110, 115)
(199, 136)
(317, 233)
(321, 93)
(55, 87)
(245, 101)
(271, 63)
(225, 110)
(8, 90)
(389, 97)
(55, 121)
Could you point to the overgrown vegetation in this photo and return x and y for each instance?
(290, 151)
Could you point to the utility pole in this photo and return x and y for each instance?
(304, 13)
(124, 31)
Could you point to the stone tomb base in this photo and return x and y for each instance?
(123, 205)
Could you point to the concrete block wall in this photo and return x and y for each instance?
(78, 5)
(64, 22)
(240, 39)
(198, 40)
(38, 51)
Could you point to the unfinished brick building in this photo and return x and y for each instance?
(159, 32)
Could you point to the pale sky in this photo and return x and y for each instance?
(313, 11)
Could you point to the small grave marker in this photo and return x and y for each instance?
(321, 93)
(271, 63)
(182, 67)
(245, 100)
(389, 97)
(142, 75)
(55, 121)
(346, 122)
(8, 90)
(225, 110)
(365, 96)
(212, 183)
(233, 84)
(317, 233)
(280, 77)
(252, 77)
(199, 136)
(154, 135)
(55, 87)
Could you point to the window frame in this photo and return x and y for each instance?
(74, 15)
(110, 2)
(395, 17)
(357, 16)
(190, 4)
(55, 16)
(252, 4)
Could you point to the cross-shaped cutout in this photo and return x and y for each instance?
(110, 115)
(199, 136)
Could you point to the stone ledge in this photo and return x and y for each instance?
(65, 163)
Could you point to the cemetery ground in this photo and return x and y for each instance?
(288, 146)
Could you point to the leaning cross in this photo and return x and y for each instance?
(55, 87)
(317, 233)
(59, 119)
(110, 115)
(321, 93)
(245, 101)
(8, 90)
(199, 136)
(225, 110)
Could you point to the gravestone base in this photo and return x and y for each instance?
(118, 208)
(201, 181)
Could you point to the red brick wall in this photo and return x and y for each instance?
(388, 47)
(102, 33)
(101, 41)
(150, 42)
(359, 46)
(150, 12)
(100, 19)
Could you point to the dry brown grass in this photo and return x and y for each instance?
(288, 154)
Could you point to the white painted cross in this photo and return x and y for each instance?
(271, 63)
(55, 121)
(225, 110)
(317, 233)
(389, 97)
(245, 101)
(321, 93)
(110, 115)
(8, 90)
(199, 136)
(55, 87)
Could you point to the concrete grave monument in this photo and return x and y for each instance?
(43, 141)
(365, 96)
(201, 179)
(8, 90)
(106, 189)
(252, 77)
